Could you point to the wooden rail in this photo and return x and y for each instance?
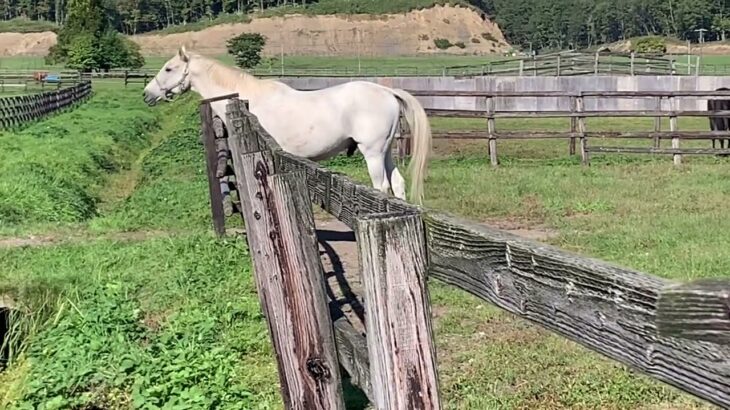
(20, 110)
(625, 315)
(578, 115)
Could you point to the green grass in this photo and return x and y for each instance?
(24, 25)
(146, 307)
(53, 171)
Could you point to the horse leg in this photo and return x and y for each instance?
(376, 169)
(397, 183)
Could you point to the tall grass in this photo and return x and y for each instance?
(53, 171)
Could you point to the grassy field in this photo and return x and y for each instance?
(128, 301)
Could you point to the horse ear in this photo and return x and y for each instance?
(183, 54)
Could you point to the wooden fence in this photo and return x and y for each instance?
(578, 115)
(676, 333)
(20, 110)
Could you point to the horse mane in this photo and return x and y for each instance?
(234, 77)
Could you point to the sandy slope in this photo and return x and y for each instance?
(397, 34)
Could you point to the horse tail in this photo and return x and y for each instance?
(421, 135)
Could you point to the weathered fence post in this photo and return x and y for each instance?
(490, 132)
(400, 342)
(214, 188)
(580, 107)
(673, 128)
(699, 310)
(633, 56)
(658, 123)
(289, 276)
(573, 124)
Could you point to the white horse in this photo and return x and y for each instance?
(312, 124)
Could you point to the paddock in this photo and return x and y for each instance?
(612, 310)
(162, 281)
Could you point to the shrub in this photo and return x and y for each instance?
(475, 40)
(650, 45)
(442, 43)
(246, 49)
(489, 37)
(460, 44)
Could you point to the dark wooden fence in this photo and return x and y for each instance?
(578, 115)
(20, 110)
(676, 333)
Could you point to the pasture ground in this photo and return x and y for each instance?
(130, 302)
(430, 65)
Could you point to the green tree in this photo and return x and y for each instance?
(88, 40)
(246, 49)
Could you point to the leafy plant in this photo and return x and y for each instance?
(246, 49)
(650, 45)
(89, 42)
(442, 43)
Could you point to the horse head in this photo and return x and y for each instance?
(172, 79)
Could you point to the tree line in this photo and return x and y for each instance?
(540, 24)
(561, 24)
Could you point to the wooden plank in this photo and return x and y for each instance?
(579, 109)
(567, 94)
(290, 281)
(491, 129)
(398, 315)
(699, 310)
(677, 158)
(214, 189)
(652, 150)
(352, 352)
(438, 112)
(606, 308)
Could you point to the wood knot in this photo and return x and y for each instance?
(318, 369)
(259, 196)
(257, 215)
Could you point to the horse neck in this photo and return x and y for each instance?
(247, 86)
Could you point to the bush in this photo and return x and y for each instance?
(88, 41)
(246, 49)
(442, 43)
(460, 44)
(650, 45)
(489, 37)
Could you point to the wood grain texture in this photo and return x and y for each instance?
(699, 310)
(290, 281)
(211, 160)
(402, 352)
(352, 351)
(606, 308)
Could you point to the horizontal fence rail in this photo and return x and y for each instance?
(578, 115)
(604, 307)
(19, 110)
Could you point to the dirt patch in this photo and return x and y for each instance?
(26, 44)
(394, 34)
(339, 253)
(526, 229)
(50, 240)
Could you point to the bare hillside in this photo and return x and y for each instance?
(394, 34)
